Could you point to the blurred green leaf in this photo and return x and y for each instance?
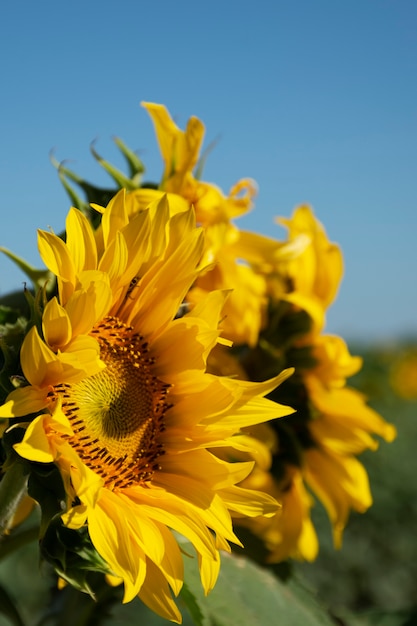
(12, 489)
(15, 540)
(8, 608)
(398, 618)
(248, 595)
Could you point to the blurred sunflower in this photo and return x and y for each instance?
(127, 409)
(403, 374)
(315, 448)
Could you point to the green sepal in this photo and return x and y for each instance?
(45, 485)
(286, 325)
(37, 304)
(69, 607)
(38, 277)
(13, 334)
(198, 172)
(95, 195)
(70, 552)
(135, 165)
(11, 338)
(121, 180)
(72, 555)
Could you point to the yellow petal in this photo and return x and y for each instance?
(179, 149)
(80, 241)
(24, 401)
(56, 325)
(35, 445)
(249, 502)
(156, 595)
(341, 483)
(76, 517)
(89, 304)
(109, 532)
(57, 258)
(209, 572)
(114, 260)
(115, 217)
(37, 359)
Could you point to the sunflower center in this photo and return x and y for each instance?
(118, 414)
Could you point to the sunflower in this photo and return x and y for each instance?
(316, 272)
(403, 374)
(125, 406)
(180, 151)
(316, 447)
(343, 426)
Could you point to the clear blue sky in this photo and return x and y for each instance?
(314, 99)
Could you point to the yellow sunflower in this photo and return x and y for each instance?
(403, 374)
(342, 427)
(327, 433)
(317, 446)
(180, 151)
(126, 408)
(316, 272)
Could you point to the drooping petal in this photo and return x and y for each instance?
(155, 593)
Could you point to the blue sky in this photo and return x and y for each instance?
(314, 99)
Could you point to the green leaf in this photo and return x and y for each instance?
(248, 595)
(382, 618)
(191, 603)
(12, 489)
(15, 540)
(11, 338)
(8, 608)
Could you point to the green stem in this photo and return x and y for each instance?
(12, 489)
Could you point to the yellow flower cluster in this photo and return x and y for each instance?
(267, 279)
(152, 371)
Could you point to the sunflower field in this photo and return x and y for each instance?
(181, 440)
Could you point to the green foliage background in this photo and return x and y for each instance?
(371, 581)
